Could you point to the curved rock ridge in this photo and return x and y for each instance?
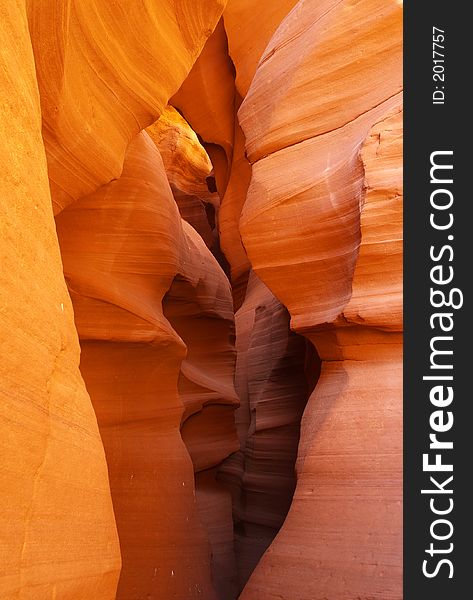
(185, 160)
(321, 226)
(57, 528)
(215, 509)
(310, 267)
(345, 519)
(311, 93)
(104, 73)
(189, 171)
(376, 298)
(250, 25)
(168, 133)
(200, 309)
(272, 385)
(122, 248)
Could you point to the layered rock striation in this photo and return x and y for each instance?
(321, 225)
(189, 172)
(273, 387)
(106, 72)
(58, 537)
(213, 407)
(148, 367)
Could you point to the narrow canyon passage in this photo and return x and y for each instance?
(133, 356)
(203, 377)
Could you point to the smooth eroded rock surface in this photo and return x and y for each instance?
(57, 530)
(104, 73)
(250, 25)
(321, 225)
(207, 100)
(227, 184)
(121, 248)
(189, 172)
(345, 520)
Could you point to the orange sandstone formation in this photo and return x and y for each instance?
(106, 71)
(225, 479)
(121, 248)
(186, 163)
(321, 70)
(57, 532)
(229, 218)
(273, 389)
(345, 518)
(199, 307)
(312, 174)
(250, 24)
(215, 510)
(188, 169)
(376, 298)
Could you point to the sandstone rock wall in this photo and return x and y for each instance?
(226, 179)
(94, 100)
(58, 536)
(250, 26)
(123, 248)
(189, 172)
(199, 307)
(321, 226)
(207, 99)
(105, 72)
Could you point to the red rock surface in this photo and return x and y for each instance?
(229, 218)
(189, 169)
(215, 509)
(376, 298)
(345, 519)
(199, 307)
(301, 229)
(272, 155)
(211, 80)
(250, 25)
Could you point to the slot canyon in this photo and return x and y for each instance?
(201, 300)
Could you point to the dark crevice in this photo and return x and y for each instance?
(261, 476)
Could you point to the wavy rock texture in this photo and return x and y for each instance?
(376, 298)
(199, 307)
(121, 248)
(319, 54)
(215, 509)
(105, 72)
(57, 529)
(345, 519)
(301, 228)
(298, 108)
(249, 25)
(273, 388)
